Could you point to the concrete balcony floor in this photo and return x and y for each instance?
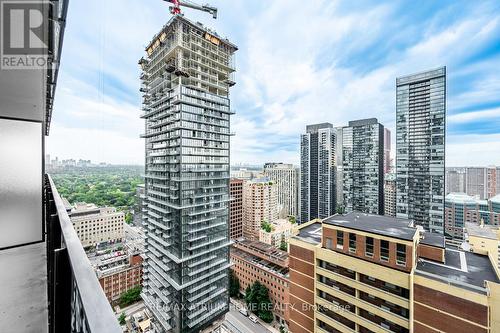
(23, 289)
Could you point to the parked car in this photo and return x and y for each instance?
(244, 312)
(254, 319)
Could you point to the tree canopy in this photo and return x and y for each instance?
(110, 186)
(258, 301)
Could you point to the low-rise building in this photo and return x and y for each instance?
(95, 225)
(118, 272)
(461, 209)
(256, 261)
(280, 230)
(368, 273)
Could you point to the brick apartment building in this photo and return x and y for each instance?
(236, 208)
(256, 261)
(119, 274)
(368, 273)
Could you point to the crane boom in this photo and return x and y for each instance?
(175, 9)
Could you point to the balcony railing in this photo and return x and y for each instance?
(76, 301)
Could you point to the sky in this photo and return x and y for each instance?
(298, 63)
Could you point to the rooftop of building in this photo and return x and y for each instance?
(375, 224)
(495, 199)
(421, 76)
(278, 165)
(82, 209)
(260, 180)
(463, 269)
(459, 197)
(315, 127)
(484, 231)
(432, 239)
(310, 233)
(363, 122)
(197, 25)
(260, 261)
(266, 250)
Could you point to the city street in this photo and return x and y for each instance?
(242, 324)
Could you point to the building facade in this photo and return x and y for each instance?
(285, 177)
(139, 204)
(236, 208)
(387, 151)
(95, 225)
(481, 182)
(420, 148)
(256, 261)
(260, 203)
(369, 273)
(281, 230)
(363, 166)
(318, 172)
(455, 180)
(186, 77)
(119, 274)
(390, 195)
(462, 209)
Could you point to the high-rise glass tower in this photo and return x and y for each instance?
(317, 172)
(186, 78)
(363, 166)
(420, 144)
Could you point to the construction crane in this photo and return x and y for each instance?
(176, 8)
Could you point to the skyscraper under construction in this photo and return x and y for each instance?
(186, 78)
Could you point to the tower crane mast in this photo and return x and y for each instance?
(176, 7)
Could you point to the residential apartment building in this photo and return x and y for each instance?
(339, 160)
(370, 273)
(462, 209)
(281, 230)
(481, 182)
(255, 261)
(260, 203)
(186, 77)
(285, 177)
(390, 194)
(387, 151)
(363, 166)
(96, 225)
(139, 204)
(236, 208)
(118, 272)
(455, 180)
(318, 172)
(420, 148)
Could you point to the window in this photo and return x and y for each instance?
(369, 247)
(340, 239)
(401, 254)
(384, 250)
(329, 243)
(352, 242)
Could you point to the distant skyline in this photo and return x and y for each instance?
(334, 62)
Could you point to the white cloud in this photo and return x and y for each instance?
(466, 117)
(294, 69)
(473, 150)
(98, 145)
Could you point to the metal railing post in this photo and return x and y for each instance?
(62, 291)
